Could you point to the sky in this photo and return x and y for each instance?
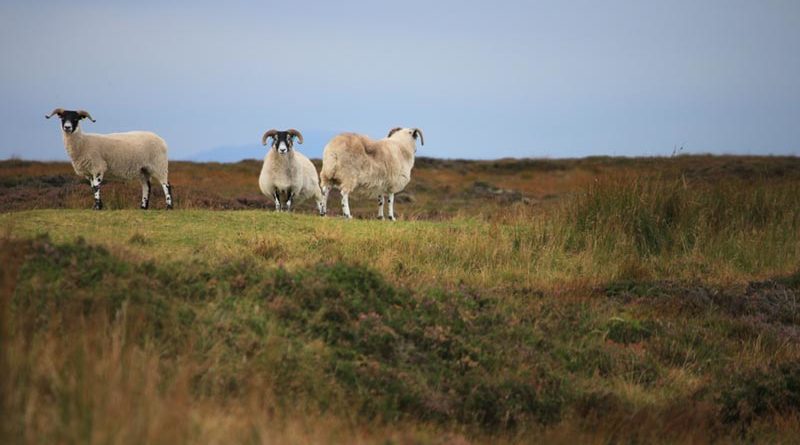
(483, 80)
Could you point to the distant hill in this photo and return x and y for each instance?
(313, 143)
(229, 153)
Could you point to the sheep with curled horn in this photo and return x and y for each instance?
(134, 154)
(354, 162)
(288, 176)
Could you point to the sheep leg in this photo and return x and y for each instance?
(277, 198)
(323, 204)
(95, 181)
(391, 207)
(346, 205)
(380, 206)
(144, 178)
(167, 194)
(289, 196)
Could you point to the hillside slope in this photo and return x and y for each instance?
(649, 305)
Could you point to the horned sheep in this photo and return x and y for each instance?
(353, 162)
(287, 176)
(127, 155)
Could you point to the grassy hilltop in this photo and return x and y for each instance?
(595, 300)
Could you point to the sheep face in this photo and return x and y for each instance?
(70, 119)
(282, 141)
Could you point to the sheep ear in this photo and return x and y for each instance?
(57, 111)
(85, 115)
(418, 132)
(296, 134)
(393, 131)
(269, 134)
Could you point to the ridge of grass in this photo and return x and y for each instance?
(615, 230)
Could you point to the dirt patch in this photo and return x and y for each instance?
(485, 190)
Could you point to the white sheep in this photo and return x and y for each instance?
(125, 155)
(353, 162)
(287, 175)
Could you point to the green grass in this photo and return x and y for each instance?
(618, 230)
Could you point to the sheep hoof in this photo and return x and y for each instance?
(380, 218)
(392, 218)
(97, 206)
(169, 206)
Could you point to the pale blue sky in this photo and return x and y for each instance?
(482, 79)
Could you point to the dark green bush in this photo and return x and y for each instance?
(626, 331)
(390, 353)
(753, 394)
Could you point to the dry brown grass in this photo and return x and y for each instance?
(657, 293)
(439, 188)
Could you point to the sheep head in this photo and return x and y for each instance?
(282, 141)
(69, 118)
(413, 132)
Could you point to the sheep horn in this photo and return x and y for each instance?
(393, 130)
(417, 131)
(269, 134)
(84, 113)
(57, 111)
(297, 134)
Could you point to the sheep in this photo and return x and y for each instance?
(125, 155)
(353, 162)
(287, 175)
